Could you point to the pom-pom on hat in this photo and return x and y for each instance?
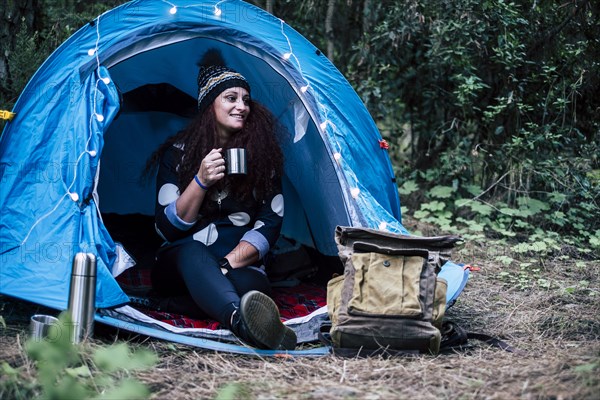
(214, 77)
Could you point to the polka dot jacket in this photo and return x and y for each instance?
(227, 221)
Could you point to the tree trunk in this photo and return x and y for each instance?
(270, 5)
(329, 28)
(367, 16)
(12, 14)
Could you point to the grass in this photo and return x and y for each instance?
(555, 326)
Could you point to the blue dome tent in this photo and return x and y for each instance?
(81, 136)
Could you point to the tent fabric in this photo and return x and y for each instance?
(80, 137)
(72, 134)
(456, 275)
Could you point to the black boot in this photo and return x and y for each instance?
(257, 322)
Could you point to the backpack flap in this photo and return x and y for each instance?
(439, 247)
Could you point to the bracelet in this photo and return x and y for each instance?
(200, 183)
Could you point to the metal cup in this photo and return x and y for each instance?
(44, 327)
(235, 161)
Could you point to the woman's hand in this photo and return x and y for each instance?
(212, 168)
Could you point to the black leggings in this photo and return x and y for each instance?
(189, 275)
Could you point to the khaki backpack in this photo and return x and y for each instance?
(389, 296)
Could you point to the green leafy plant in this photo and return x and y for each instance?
(233, 391)
(65, 370)
(14, 384)
(485, 116)
(530, 229)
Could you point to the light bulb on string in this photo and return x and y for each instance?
(355, 191)
(217, 11)
(383, 226)
(323, 125)
(173, 10)
(93, 153)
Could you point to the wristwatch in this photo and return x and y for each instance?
(225, 266)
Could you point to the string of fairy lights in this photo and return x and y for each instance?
(355, 191)
(73, 195)
(337, 155)
(288, 56)
(325, 124)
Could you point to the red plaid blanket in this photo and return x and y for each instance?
(293, 302)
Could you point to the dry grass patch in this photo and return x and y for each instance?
(555, 327)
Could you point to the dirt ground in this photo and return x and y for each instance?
(551, 316)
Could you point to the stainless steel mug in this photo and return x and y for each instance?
(82, 296)
(44, 327)
(235, 160)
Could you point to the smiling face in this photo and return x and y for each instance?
(231, 110)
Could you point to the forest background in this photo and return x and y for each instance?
(491, 109)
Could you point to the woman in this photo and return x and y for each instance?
(218, 227)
